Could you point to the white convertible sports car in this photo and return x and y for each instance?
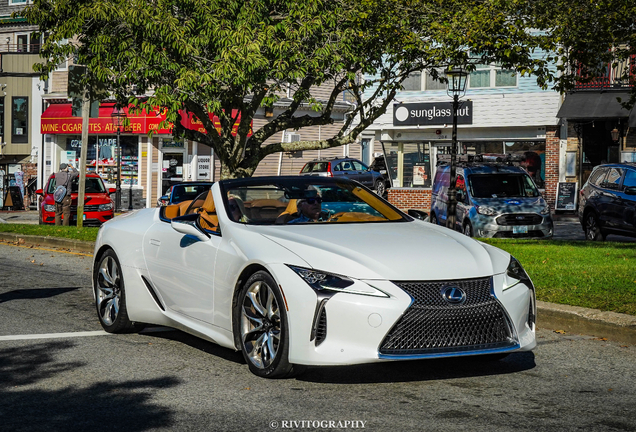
(299, 271)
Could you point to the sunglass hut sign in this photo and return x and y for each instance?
(431, 114)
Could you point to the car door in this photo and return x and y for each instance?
(363, 174)
(611, 199)
(182, 270)
(463, 206)
(628, 203)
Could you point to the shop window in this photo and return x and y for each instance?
(409, 164)
(20, 119)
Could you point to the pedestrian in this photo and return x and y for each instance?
(64, 177)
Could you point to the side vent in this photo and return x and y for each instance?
(319, 328)
(153, 293)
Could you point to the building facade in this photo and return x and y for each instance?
(502, 115)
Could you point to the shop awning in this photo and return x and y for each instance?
(58, 119)
(593, 105)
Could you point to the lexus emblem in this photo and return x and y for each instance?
(453, 295)
(520, 217)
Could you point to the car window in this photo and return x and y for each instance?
(613, 179)
(630, 179)
(187, 192)
(338, 167)
(358, 166)
(277, 203)
(346, 166)
(502, 185)
(307, 168)
(92, 185)
(597, 176)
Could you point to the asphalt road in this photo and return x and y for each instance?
(73, 376)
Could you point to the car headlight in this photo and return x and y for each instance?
(49, 207)
(486, 210)
(104, 207)
(546, 210)
(321, 281)
(515, 274)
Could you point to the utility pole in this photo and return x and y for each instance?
(86, 110)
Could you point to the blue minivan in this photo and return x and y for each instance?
(493, 200)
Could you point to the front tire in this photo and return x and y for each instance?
(593, 228)
(261, 324)
(110, 294)
(433, 219)
(468, 229)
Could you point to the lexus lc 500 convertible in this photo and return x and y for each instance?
(297, 271)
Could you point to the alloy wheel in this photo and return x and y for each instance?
(260, 325)
(108, 290)
(592, 229)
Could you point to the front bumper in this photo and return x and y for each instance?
(356, 325)
(90, 218)
(487, 227)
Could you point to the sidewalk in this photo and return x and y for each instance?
(556, 317)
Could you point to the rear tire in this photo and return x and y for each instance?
(593, 230)
(433, 219)
(110, 295)
(468, 229)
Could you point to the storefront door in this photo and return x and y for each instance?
(172, 170)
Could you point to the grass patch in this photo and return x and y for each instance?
(70, 232)
(578, 273)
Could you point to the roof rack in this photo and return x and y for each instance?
(465, 160)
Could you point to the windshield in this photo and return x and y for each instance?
(182, 192)
(93, 185)
(299, 201)
(502, 185)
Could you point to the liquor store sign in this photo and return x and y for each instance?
(431, 114)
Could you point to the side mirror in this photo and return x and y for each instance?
(418, 214)
(39, 192)
(189, 228)
(112, 190)
(630, 190)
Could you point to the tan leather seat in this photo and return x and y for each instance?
(291, 212)
(207, 214)
(171, 211)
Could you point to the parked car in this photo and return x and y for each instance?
(183, 192)
(379, 164)
(98, 206)
(316, 293)
(493, 200)
(607, 202)
(346, 168)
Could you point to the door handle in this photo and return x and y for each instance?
(155, 242)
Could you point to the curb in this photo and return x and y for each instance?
(55, 242)
(551, 316)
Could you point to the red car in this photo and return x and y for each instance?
(98, 206)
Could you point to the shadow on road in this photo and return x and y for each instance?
(420, 370)
(105, 405)
(33, 293)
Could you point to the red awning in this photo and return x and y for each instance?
(58, 119)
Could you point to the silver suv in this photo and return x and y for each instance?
(493, 200)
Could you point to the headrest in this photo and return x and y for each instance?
(208, 204)
(291, 207)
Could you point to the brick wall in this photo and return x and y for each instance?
(551, 164)
(410, 198)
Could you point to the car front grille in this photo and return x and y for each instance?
(510, 234)
(87, 208)
(433, 325)
(519, 219)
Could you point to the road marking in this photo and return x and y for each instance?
(53, 335)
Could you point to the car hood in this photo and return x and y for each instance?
(392, 250)
(513, 204)
(89, 198)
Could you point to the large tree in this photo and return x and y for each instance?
(236, 57)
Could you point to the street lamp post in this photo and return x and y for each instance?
(457, 78)
(118, 117)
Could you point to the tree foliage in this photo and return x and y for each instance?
(241, 56)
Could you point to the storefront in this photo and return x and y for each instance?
(414, 137)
